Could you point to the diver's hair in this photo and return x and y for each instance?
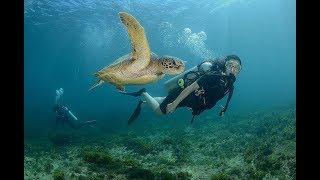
(233, 57)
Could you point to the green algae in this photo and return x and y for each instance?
(220, 176)
(58, 175)
(97, 157)
(255, 146)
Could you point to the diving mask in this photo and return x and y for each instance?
(233, 66)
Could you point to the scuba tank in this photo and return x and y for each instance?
(72, 115)
(178, 81)
(184, 79)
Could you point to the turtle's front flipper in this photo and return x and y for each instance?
(140, 47)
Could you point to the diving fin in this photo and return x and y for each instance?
(134, 94)
(136, 113)
(192, 119)
(96, 85)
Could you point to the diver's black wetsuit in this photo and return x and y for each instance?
(63, 116)
(213, 87)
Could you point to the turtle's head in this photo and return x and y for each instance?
(172, 65)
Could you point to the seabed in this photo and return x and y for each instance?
(258, 145)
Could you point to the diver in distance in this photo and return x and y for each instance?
(199, 88)
(65, 116)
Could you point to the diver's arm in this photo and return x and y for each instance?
(228, 100)
(184, 94)
(86, 123)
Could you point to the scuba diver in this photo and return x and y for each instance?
(65, 116)
(199, 88)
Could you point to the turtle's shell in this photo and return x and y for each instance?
(120, 60)
(135, 67)
(125, 61)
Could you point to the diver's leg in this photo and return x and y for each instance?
(153, 103)
(159, 99)
(87, 123)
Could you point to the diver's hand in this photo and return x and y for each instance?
(171, 107)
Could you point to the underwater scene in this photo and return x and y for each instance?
(159, 89)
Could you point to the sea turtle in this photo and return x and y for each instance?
(140, 66)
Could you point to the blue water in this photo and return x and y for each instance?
(65, 42)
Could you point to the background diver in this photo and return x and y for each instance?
(199, 88)
(65, 116)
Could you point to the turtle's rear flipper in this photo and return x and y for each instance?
(136, 112)
(96, 85)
